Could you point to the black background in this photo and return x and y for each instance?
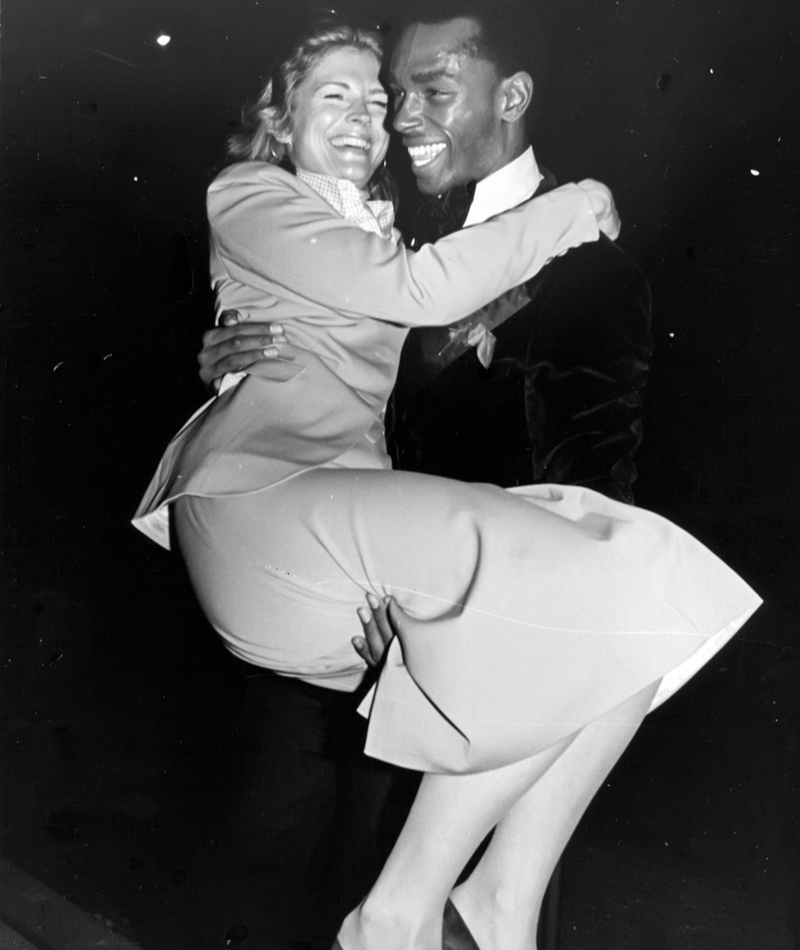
(686, 109)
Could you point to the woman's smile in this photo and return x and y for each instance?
(339, 116)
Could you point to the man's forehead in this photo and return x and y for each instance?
(428, 50)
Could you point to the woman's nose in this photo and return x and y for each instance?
(359, 111)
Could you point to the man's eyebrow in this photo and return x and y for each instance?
(431, 75)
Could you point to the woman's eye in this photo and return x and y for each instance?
(334, 95)
(380, 103)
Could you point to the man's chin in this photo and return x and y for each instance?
(436, 183)
(428, 188)
(430, 184)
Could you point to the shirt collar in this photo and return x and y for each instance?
(506, 188)
(353, 204)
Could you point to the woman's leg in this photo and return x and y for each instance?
(535, 804)
(501, 900)
(448, 820)
(528, 618)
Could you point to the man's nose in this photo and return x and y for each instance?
(409, 115)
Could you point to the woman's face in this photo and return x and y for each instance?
(339, 116)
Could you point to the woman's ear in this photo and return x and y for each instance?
(517, 95)
(278, 125)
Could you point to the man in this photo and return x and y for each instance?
(542, 385)
(560, 399)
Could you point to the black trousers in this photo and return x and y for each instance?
(311, 817)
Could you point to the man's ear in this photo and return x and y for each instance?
(516, 96)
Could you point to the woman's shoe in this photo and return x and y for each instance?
(455, 933)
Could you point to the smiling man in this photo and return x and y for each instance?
(545, 384)
(457, 115)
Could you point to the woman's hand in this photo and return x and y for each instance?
(605, 211)
(236, 345)
(378, 629)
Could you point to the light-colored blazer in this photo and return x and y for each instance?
(281, 253)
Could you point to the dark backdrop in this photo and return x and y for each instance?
(686, 109)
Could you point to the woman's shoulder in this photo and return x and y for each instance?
(253, 174)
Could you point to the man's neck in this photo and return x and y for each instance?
(505, 188)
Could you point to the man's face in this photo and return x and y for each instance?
(447, 105)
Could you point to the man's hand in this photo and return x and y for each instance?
(234, 346)
(378, 629)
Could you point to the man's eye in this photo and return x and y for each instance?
(435, 93)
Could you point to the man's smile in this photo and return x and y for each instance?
(421, 155)
(449, 105)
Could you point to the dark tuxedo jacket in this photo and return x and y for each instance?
(561, 401)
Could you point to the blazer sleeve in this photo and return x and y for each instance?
(272, 233)
(587, 364)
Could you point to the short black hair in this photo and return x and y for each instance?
(509, 35)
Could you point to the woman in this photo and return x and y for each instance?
(537, 626)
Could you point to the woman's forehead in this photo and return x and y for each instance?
(345, 62)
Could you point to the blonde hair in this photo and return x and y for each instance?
(269, 119)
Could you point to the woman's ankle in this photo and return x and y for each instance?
(393, 926)
(497, 921)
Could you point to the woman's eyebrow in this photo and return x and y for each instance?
(333, 82)
(346, 85)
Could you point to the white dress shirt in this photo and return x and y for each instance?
(506, 188)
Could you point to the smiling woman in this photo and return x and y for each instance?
(324, 109)
(340, 118)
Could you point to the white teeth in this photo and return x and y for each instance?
(423, 154)
(350, 141)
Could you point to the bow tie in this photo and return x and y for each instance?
(443, 215)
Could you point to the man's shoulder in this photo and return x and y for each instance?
(599, 267)
(603, 260)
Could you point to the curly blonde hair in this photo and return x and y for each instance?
(270, 118)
